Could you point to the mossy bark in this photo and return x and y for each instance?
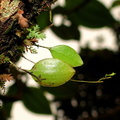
(9, 41)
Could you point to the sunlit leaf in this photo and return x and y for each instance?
(52, 72)
(66, 54)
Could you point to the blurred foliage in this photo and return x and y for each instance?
(115, 3)
(89, 13)
(36, 101)
(76, 101)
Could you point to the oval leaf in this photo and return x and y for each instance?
(52, 72)
(94, 14)
(35, 101)
(66, 54)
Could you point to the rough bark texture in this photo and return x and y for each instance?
(9, 41)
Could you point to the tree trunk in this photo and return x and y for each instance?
(12, 12)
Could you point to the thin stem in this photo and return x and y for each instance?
(19, 67)
(38, 78)
(43, 46)
(87, 81)
(47, 27)
(104, 78)
(107, 76)
(28, 59)
(50, 14)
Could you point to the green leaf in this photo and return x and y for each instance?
(115, 3)
(110, 75)
(66, 54)
(34, 32)
(13, 90)
(93, 15)
(6, 109)
(7, 106)
(35, 101)
(67, 90)
(43, 20)
(70, 4)
(52, 72)
(67, 32)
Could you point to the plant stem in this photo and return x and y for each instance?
(43, 46)
(27, 71)
(47, 27)
(28, 59)
(86, 81)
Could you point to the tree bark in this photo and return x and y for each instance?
(10, 43)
